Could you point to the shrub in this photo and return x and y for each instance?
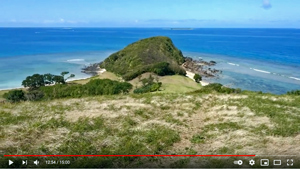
(15, 96)
(34, 95)
(92, 88)
(148, 85)
(197, 78)
(148, 88)
(217, 87)
(162, 69)
(294, 92)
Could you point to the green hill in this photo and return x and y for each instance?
(155, 54)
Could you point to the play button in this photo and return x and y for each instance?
(10, 162)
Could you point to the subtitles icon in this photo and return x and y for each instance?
(264, 162)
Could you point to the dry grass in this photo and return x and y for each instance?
(157, 123)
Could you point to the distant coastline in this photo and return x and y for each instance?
(181, 28)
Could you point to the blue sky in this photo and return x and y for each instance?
(151, 13)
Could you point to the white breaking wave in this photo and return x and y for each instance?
(233, 64)
(262, 71)
(75, 60)
(295, 78)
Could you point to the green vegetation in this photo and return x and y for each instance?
(92, 88)
(148, 85)
(197, 78)
(294, 92)
(217, 87)
(15, 96)
(35, 81)
(156, 54)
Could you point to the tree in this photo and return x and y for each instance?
(33, 82)
(148, 85)
(15, 96)
(58, 79)
(48, 79)
(65, 73)
(197, 78)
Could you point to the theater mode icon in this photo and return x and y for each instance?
(277, 162)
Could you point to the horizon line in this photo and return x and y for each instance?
(1, 27)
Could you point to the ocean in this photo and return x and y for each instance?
(265, 60)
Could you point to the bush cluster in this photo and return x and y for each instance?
(15, 96)
(161, 69)
(148, 88)
(294, 92)
(217, 87)
(94, 87)
(148, 85)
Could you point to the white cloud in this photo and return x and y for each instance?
(61, 20)
(266, 4)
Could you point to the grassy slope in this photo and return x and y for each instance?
(158, 123)
(171, 84)
(2, 93)
(178, 84)
(105, 75)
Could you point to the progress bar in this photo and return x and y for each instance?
(129, 155)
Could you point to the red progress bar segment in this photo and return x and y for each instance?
(129, 155)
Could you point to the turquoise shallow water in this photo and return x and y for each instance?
(254, 59)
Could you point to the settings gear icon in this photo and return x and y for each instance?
(251, 162)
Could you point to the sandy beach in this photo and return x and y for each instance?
(191, 76)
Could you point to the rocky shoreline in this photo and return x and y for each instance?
(92, 69)
(201, 67)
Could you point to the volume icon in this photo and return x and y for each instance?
(36, 162)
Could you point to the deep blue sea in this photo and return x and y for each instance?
(265, 60)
